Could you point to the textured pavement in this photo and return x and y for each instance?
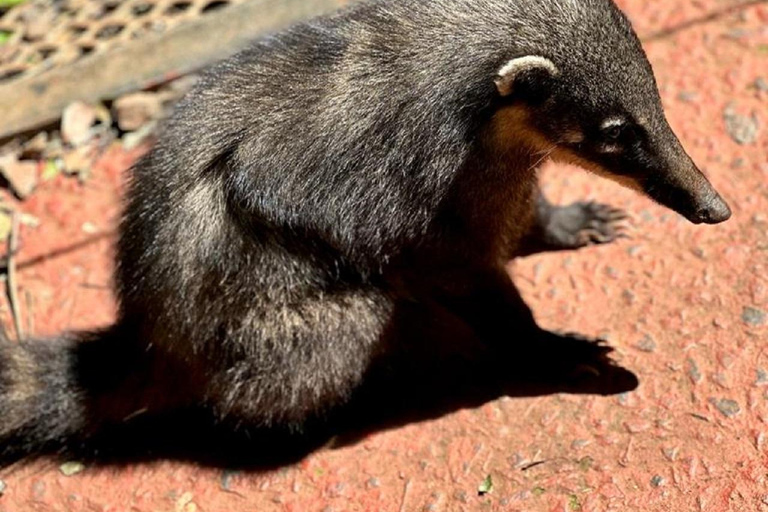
(683, 306)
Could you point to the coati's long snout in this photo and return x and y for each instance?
(625, 137)
(657, 166)
(678, 184)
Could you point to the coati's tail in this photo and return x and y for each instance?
(56, 393)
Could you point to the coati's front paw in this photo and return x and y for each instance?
(585, 223)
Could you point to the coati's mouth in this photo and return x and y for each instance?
(713, 210)
(694, 198)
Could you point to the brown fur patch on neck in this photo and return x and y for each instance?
(510, 130)
(563, 155)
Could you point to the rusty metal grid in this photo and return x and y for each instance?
(45, 34)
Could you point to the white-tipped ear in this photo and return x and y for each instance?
(509, 72)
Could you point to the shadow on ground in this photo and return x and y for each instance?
(425, 382)
(438, 369)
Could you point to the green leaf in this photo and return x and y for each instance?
(486, 486)
(51, 170)
(4, 4)
(5, 35)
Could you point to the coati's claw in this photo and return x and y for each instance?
(606, 212)
(577, 349)
(586, 223)
(585, 370)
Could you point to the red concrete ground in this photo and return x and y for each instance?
(673, 301)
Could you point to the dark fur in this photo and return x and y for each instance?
(315, 183)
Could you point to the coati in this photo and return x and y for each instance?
(310, 185)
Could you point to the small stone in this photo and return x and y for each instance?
(20, 174)
(135, 110)
(461, 496)
(647, 344)
(761, 84)
(185, 503)
(373, 483)
(687, 96)
(55, 146)
(71, 468)
(89, 228)
(179, 87)
(671, 453)
(3, 487)
(226, 479)
(742, 129)
(736, 33)
(35, 147)
(586, 463)
(337, 490)
(738, 163)
(753, 316)
(657, 481)
(727, 407)
(637, 426)
(76, 123)
(693, 371)
(77, 162)
(133, 139)
(762, 377)
(39, 490)
(578, 444)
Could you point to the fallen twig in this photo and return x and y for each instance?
(404, 499)
(533, 465)
(707, 18)
(13, 296)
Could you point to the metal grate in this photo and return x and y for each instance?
(45, 34)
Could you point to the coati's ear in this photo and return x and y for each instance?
(526, 76)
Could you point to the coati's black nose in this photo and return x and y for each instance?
(714, 212)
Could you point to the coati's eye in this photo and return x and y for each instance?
(613, 128)
(613, 132)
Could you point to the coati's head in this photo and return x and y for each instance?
(588, 95)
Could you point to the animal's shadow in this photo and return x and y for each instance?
(428, 378)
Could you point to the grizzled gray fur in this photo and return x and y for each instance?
(314, 183)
